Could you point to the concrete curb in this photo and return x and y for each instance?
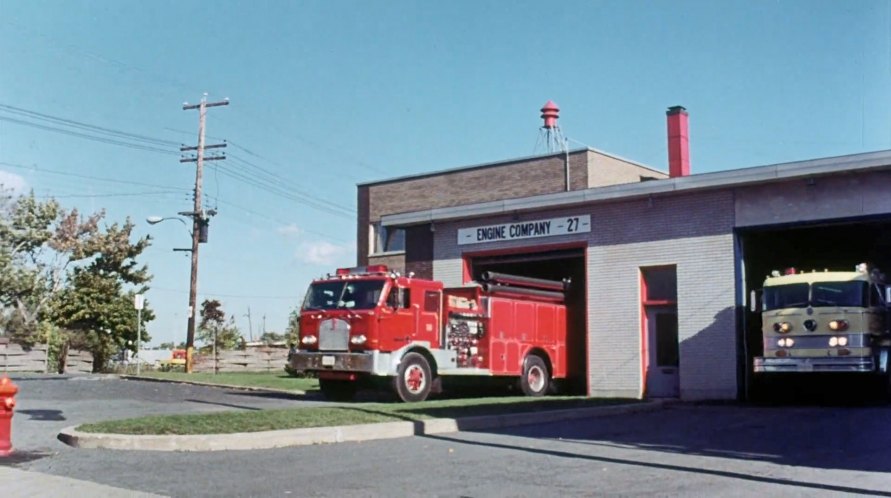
(341, 434)
(295, 392)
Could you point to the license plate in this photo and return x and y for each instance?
(327, 361)
(806, 367)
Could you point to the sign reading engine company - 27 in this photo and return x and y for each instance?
(566, 225)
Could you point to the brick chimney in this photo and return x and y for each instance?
(678, 142)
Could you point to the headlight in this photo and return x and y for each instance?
(358, 339)
(838, 325)
(833, 342)
(785, 342)
(782, 328)
(309, 340)
(842, 341)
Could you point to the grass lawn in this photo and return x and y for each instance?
(358, 413)
(273, 380)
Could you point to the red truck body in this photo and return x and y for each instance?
(371, 324)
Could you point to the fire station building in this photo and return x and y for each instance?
(662, 265)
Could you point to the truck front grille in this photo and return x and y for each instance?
(334, 335)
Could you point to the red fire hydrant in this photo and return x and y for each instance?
(7, 403)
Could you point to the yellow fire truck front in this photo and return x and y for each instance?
(830, 321)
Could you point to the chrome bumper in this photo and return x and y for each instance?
(340, 362)
(828, 364)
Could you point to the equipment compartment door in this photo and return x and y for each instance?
(663, 380)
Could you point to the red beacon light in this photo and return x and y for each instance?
(342, 272)
(790, 271)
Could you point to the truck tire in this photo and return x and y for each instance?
(413, 378)
(535, 380)
(337, 390)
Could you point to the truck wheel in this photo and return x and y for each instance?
(337, 390)
(535, 379)
(413, 378)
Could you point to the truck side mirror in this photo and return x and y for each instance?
(393, 298)
(754, 301)
(888, 296)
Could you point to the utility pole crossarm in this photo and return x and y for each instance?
(195, 159)
(186, 148)
(187, 107)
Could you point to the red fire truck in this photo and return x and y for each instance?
(370, 327)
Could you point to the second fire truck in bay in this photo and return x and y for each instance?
(829, 321)
(370, 327)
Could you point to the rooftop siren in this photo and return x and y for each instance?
(550, 133)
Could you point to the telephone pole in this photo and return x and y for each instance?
(250, 326)
(199, 217)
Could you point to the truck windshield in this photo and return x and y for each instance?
(839, 294)
(818, 294)
(341, 294)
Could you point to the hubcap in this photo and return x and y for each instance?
(535, 378)
(414, 378)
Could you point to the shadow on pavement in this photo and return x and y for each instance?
(844, 438)
(675, 468)
(43, 415)
(20, 457)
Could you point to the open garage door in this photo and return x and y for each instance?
(552, 265)
(833, 246)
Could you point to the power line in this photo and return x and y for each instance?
(279, 222)
(172, 190)
(89, 137)
(117, 194)
(265, 179)
(71, 48)
(217, 294)
(85, 126)
(273, 188)
(89, 177)
(278, 182)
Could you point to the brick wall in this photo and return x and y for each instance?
(827, 197)
(505, 180)
(693, 232)
(606, 170)
(362, 222)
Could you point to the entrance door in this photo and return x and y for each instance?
(663, 380)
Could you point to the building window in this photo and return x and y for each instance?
(660, 285)
(387, 239)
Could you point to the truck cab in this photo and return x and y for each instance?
(358, 321)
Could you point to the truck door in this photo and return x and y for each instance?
(397, 320)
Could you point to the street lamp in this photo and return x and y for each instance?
(199, 235)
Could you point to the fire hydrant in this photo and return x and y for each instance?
(7, 403)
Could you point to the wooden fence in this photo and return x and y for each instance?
(15, 358)
(254, 359)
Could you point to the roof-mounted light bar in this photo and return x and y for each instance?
(358, 270)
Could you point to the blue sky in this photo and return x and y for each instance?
(325, 95)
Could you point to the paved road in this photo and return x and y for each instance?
(684, 450)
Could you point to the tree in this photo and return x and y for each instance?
(97, 305)
(215, 330)
(39, 242)
(167, 345)
(292, 333)
(271, 337)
